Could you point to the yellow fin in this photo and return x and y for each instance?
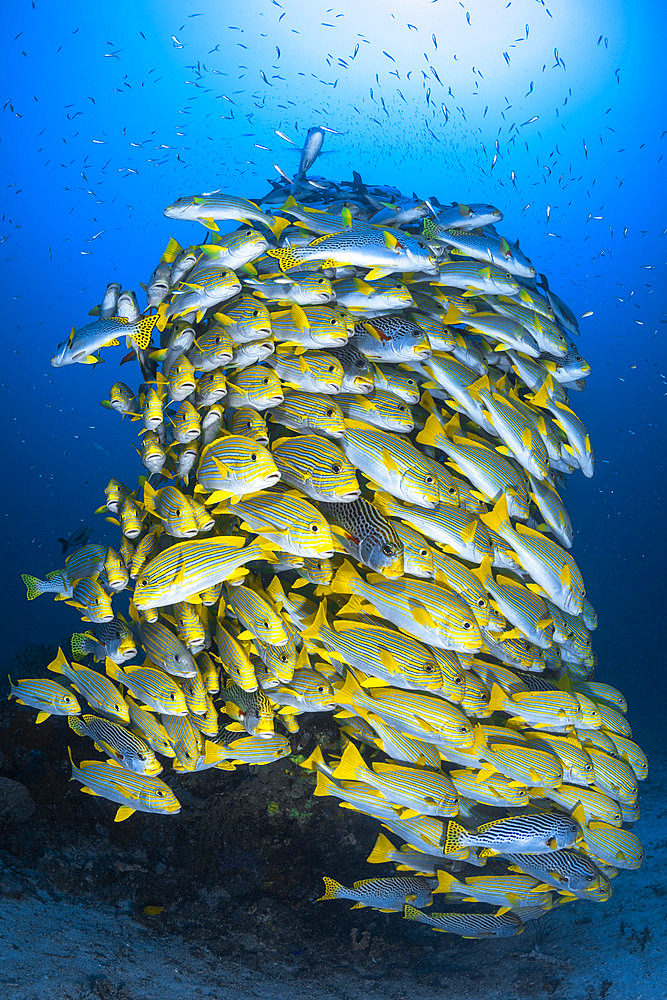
(123, 812)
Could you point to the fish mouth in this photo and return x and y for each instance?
(176, 211)
(272, 478)
(348, 497)
(364, 385)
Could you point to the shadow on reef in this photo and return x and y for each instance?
(238, 871)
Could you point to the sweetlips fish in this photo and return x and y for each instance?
(108, 737)
(185, 569)
(82, 345)
(469, 924)
(388, 895)
(135, 792)
(48, 697)
(216, 206)
(363, 402)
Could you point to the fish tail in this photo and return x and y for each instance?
(497, 698)
(142, 336)
(498, 518)
(445, 882)
(332, 889)
(82, 644)
(432, 432)
(59, 664)
(76, 724)
(452, 837)
(412, 913)
(171, 251)
(316, 758)
(345, 577)
(351, 764)
(63, 544)
(383, 851)
(319, 622)
(323, 785)
(285, 257)
(32, 585)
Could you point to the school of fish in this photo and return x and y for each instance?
(354, 417)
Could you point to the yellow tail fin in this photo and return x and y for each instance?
(382, 851)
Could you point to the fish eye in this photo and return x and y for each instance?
(588, 767)
(329, 413)
(253, 457)
(334, 321)
(423, 552)
(160, 793)
(331, 368)
(335, 468)
(320, 281)
(428, 669)
(359, 363)
(467, 625)
(388, 549)
(463, 729)
(402, 409)
(481, 603)
(255, 312)
(416, 333)
(429, 480)
(265, 381)
(67, 699)
(172, 697)
(314, 527)
(283, 658)
(458, 679)
(265, 624)
(321, 690)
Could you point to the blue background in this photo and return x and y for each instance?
(111, 113)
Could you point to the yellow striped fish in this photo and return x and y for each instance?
(134, 792)
(436, 616)
(186, 569)
(97, 689)
(154, 689)
(286, 519)
(47, 696)
(394, 464)
(316, 466)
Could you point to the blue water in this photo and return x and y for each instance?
(111, 113)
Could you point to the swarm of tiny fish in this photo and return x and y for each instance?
(354, 419)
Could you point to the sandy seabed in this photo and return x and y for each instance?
(238, 883)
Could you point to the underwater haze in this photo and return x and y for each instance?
(552, 111)
(103, 127)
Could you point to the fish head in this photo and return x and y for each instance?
(63, 355)
(310, 535)
(183, 208)
(461, 630)
(572, 602)
(117, 577)
(161, 799)
(317, 571)
(420, 487)
(426, 675)
(383, 554)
